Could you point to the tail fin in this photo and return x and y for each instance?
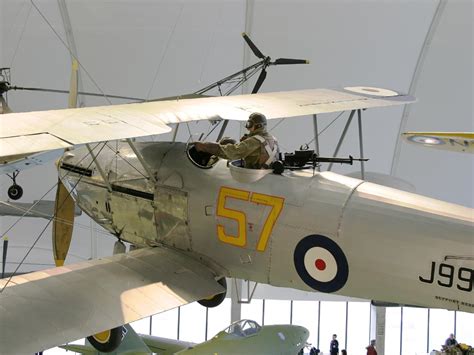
(132, 342)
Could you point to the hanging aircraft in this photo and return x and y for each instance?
(197, 220)
(241, 337)
(453, 141)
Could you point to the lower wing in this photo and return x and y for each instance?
(51, 307)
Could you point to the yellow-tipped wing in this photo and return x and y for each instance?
(452, 141)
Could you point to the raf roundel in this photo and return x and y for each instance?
(321, 263)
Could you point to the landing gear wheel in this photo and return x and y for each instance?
(15, 192)
(215, 300)
(106, 341)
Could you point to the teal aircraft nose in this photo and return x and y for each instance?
(299, 335)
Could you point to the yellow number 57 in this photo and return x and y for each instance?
(240, 240)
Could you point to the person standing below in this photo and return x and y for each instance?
(451, 341)
(371, 348)
(258, 148)
(334, 346)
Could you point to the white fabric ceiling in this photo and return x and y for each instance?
(125, 44)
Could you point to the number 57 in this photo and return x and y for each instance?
(240, 240)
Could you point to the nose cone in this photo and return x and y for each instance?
(300, 335)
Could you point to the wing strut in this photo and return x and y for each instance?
(249, 293)
(343, 135)
(316, 137)
(361, 145)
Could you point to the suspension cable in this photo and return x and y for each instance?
(164, 53)
(71, 52)
(22, 33)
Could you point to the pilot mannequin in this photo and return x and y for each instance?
(258, 148)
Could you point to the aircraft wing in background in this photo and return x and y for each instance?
(452, 141)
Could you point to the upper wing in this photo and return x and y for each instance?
(46, 308)
(30, 132)
(453, 141)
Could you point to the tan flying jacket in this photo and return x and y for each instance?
(251, 150)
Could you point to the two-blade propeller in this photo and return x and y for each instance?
(64, 204)
(266, 61)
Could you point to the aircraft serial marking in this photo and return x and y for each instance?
(276, 203)
(446, 276)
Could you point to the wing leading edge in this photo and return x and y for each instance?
(30, 132)
(51, 307)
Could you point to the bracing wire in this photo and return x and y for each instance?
(71, 52)
(49, 220)
(41, 199)
(117, 154)
(47, 216)
(325, 128)
(212, 45)
(164, 53)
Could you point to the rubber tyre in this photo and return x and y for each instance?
(15, 192)
(215, 300)
(110, 344)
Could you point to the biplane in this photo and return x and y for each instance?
(193, 220)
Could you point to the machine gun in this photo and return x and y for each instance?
(307, 159)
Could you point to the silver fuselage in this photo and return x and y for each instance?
(399, 247)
